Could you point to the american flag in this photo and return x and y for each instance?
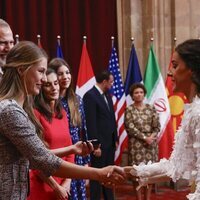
(119, 101)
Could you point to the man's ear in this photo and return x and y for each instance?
(104, 81)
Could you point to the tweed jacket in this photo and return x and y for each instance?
(19, 148)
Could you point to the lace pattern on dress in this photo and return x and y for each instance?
(185, 158)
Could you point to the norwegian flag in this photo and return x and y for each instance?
(86, 79)
(119, 102)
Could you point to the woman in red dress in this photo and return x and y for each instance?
(52, 117)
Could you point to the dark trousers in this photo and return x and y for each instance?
(107, 158)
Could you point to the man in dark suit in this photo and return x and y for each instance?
(101, 125)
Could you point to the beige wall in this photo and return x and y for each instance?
(161, 19)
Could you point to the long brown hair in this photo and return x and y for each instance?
(24, 54)
(41, 103)
(73, 103)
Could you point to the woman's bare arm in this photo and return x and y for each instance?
(80, 148)
(112, 174)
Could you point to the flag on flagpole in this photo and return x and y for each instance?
(16, 38)
(133, 74)
(86, 79)
(157, 96)
(119, 102)
(39, 41)
(176, 101)
(59, 53)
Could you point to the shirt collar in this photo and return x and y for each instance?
(99, 89)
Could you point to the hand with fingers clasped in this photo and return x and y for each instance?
(112, 175)
(149, 140)
(97, 152)
(61, 193)
(83, 148)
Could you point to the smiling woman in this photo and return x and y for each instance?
(34, 77)
(25, 62)
(51, 87)
(181, 74)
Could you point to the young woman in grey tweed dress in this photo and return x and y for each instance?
(20, 146)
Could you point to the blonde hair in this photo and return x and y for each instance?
(70, 96)
(24, 54)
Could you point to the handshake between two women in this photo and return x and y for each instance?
(148, 174)
(109, 176)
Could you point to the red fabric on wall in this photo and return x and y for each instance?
(71, 19)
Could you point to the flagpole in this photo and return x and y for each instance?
(132, 40)
(175, 42)
(84, 39)
(16, 38)
(112, 41)
(58, 39)
(151, 39)
(38, 38)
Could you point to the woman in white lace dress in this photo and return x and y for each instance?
(185, 158)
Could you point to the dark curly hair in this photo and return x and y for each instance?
(136, 86)
(189, 51)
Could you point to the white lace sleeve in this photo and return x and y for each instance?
(150, 173)
(195, 129)
(184, 161)
(151, 169)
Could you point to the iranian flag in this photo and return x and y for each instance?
(86, 79)
(157, 96)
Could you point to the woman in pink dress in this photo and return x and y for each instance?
(52, 117)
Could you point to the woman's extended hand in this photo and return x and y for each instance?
(112, 175)
(82, 148)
